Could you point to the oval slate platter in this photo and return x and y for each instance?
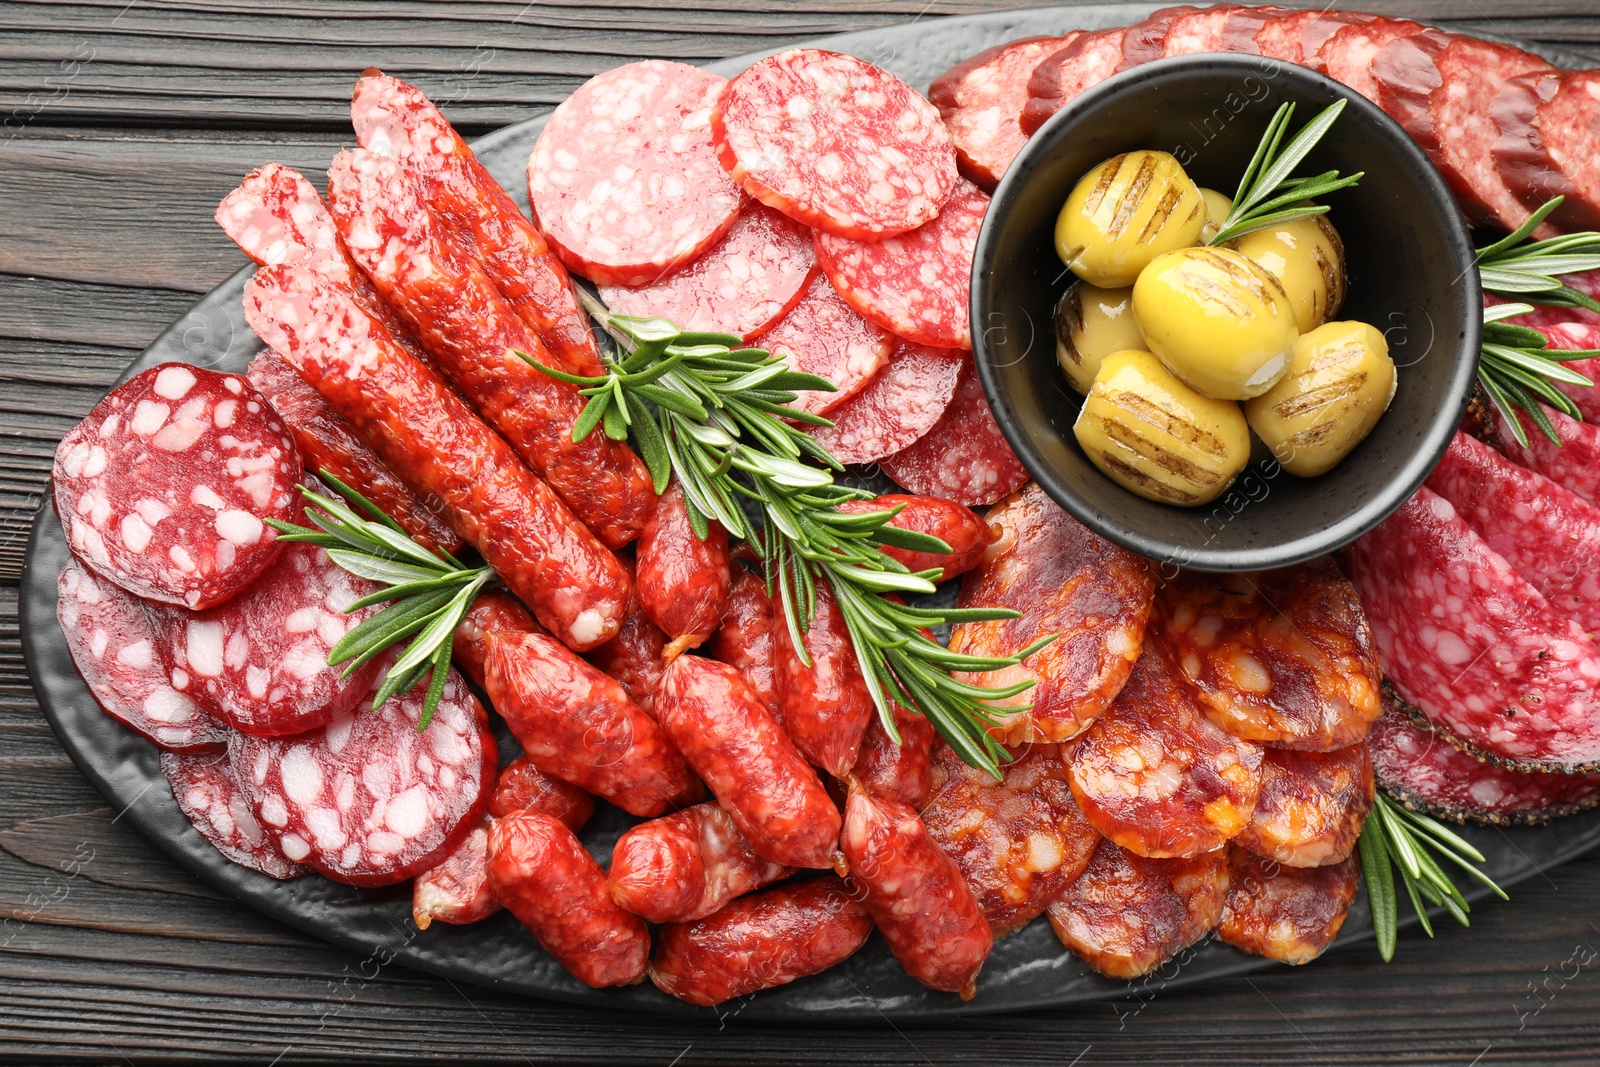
(1027, 970)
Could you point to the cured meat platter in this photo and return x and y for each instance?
(1027, 969)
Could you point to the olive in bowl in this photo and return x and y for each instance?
(1408, 271)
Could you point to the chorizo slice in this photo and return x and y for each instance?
(955, 524)
(493, 612)
(1281, 657)
(745, 638)
(915, 894)
(1288, 914)
(1065, 580)
(683, 580)
(684, 866)
(522, 786)
(457, 891)
(1155, 775)
(758, 776)
(635, 657)
(826, 706)
(1126, 915)
(1312, 806)
(760, 941)
(543, 876)
(1020, 841)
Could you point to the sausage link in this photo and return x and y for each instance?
(744, 640)
(685, 866)
(752, 767)
(915, 894)
(683, 581)
(457, 891)
(393, 118)
(580, 726)
(635, 657)
(444, 451)
(494, 611)
(826, 706)
(760, 941)
(902, 772)
(464, 321)
(544, 877)
(955, 524)
(522, 786)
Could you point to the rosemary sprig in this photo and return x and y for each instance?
(719, 419)
(428, 591)
(1533, 271)
(1395, 838)
(1267, 195)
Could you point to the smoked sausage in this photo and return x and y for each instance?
(745, 638)
(826, 706)
(685, 866)
(493, 612)
(683, 581)
(635, 657)
(457, 891)
(521, 786)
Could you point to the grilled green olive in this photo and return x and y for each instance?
(1307, 258)
(1217, 208)
(1218, 321)
(1126, 212)
(1091, 323)
(1339, 382)
(1156, 436)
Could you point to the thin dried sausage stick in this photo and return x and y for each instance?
(682, 580)
(464, 321)
(826, 706)
(900, 772)
(493, 612)
(521, 786)
(457, 891)
(745, 638)
(542, 553)
(683, 867)
(635, 657)
(543, 876)
(1288, 914)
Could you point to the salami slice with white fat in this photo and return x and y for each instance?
(119, 650)
(823, 335)
(1573, 464)
(1548, 146)
(370, 799)
(743, 284)
(1347, 55)
(1570, 335)
(623, 180)
(836, 143)
(902, 402)
(260, 661)
(1218, 28)
(964, 457)
(1475, 647)
(1066, 72)
(915, 285)
(1295, 36)
(163, 488)
(205, 788)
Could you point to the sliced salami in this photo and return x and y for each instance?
(1424, 771)
(1312, 806)
(164, 486)
(1472, 645)
(120, 651)
(1280, 657)
(836, 143)
(1066, 72)
(1219, 28)
(1295, 37)
(206, 790)
(623, 179)
(823, 335)
(1549, 536)
(752, 277)
(964, 457)
(1288, 914)
(1574, 464)
(1347, 55)
(1564, 331)
(981, 101)
(260, 661)
(1548, 146)
(1147, 41)
(1155, 775)
(369, 799)
(900, 404)
(968, 536)
(1406, 72)
(915, 285)
(457, 890)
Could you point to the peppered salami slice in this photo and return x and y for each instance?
(1066, 72)
(1295, 37)
(743, 284)
(1347, 55)
(964, 457)
(369, 799)
(915, 285)
(1574, 464)
(205, 788)
(119, 650)
(260, 661)
(1547, 145)
(1312, 806)
(164, 486)
(623, 180)
(981, 102)
(1549, 536)
(825, 336)
(1475, 647)
(1288, 914)
(1427, 773)
(836, 143)
(900, 404)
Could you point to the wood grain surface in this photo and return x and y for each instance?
(121, 125)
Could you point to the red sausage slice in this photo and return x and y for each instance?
(1147, 40)
(1547, 145)
(522, 786)
(1288, 914)
(123, 656)
(823, 335)
(1065, 73)
(205, 788)
(896, 407)
(1347, 55)
(370, 799)
(836, 143)
(457, 891)
(164, 486)
(825, 706)
(623, 178)
(1312, 806)
(1295, 36)
(752, 277)
(685, 866)
(1574, 464)
(967, 535)
(964, 457)
(682, 580)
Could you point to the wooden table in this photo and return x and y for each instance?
(123, 124)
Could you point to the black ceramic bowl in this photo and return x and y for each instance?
(1410, 275)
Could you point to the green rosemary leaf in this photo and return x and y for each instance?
(1379, 878)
